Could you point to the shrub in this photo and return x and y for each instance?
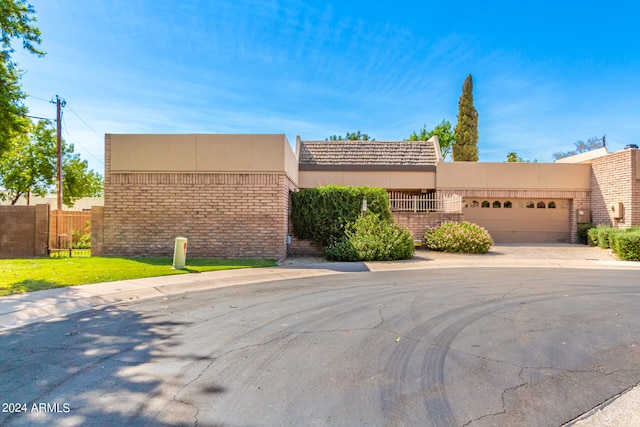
(323, 214)
(627, 245)
(458, 237)
(605, 236)
(592, 236)
(372, 238)
(81, 239)
(583, 231)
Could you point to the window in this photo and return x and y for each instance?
(530, 205)
(475, 204)
(507, 205)
(541, 205)
(497, 204)
(485, 204)
(551, 205)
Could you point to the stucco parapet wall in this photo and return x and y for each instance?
(202, 153)
(513, 176)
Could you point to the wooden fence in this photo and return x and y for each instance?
(70, 233)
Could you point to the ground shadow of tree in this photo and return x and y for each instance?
(86, 367)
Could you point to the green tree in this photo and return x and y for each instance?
(353, 136)
(513, 157)
(17, 21)
(29, 166)
(465, 147)
(581, 147)
(443, 131)
(78, 180)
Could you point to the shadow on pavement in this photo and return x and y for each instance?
(86, 368)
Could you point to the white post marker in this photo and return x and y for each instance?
(180, 253)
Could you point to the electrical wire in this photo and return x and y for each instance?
(75, 141)
(85, 123)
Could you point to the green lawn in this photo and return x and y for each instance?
(28, 275)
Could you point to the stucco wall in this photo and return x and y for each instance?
(513, 176)
(268, 153)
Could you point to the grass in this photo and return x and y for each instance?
(35, 274)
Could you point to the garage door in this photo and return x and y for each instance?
(520, 220)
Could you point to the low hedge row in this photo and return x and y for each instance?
(625, 243)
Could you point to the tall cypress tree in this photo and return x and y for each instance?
(465, 148)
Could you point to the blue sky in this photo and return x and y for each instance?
(546, 73)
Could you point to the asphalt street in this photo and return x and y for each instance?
(440, 347)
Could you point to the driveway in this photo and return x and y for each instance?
(433, 345)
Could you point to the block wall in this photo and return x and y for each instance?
(239, 215)
(614, 179)
(24, 231)
(221, 215)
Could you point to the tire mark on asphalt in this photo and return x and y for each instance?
(437, 408)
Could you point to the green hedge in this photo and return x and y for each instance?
(458, 237)
(372, 238)
(625, 243)
(323, 214)
(583, 233)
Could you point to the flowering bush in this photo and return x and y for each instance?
(371, 238)
(458, 237)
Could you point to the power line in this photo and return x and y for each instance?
(42, 118)
(39, 99)
(85, 123)
(75, 141)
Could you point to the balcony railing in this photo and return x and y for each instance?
(426, 203)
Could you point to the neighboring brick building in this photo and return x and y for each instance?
(615, 190)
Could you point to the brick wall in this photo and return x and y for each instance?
(418, 222)
(302, 248)
(240, 215)
(24, 231)
(222, 215)
(614, 179)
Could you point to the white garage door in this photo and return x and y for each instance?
(520, 220)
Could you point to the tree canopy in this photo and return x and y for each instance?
(592, 143)
(465, 148)
(513, 157)
(443, 131)
(353, 136)
(17, 21)
(29, 166)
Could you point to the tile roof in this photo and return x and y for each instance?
(371, 154)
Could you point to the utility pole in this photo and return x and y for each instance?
(59, 104)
